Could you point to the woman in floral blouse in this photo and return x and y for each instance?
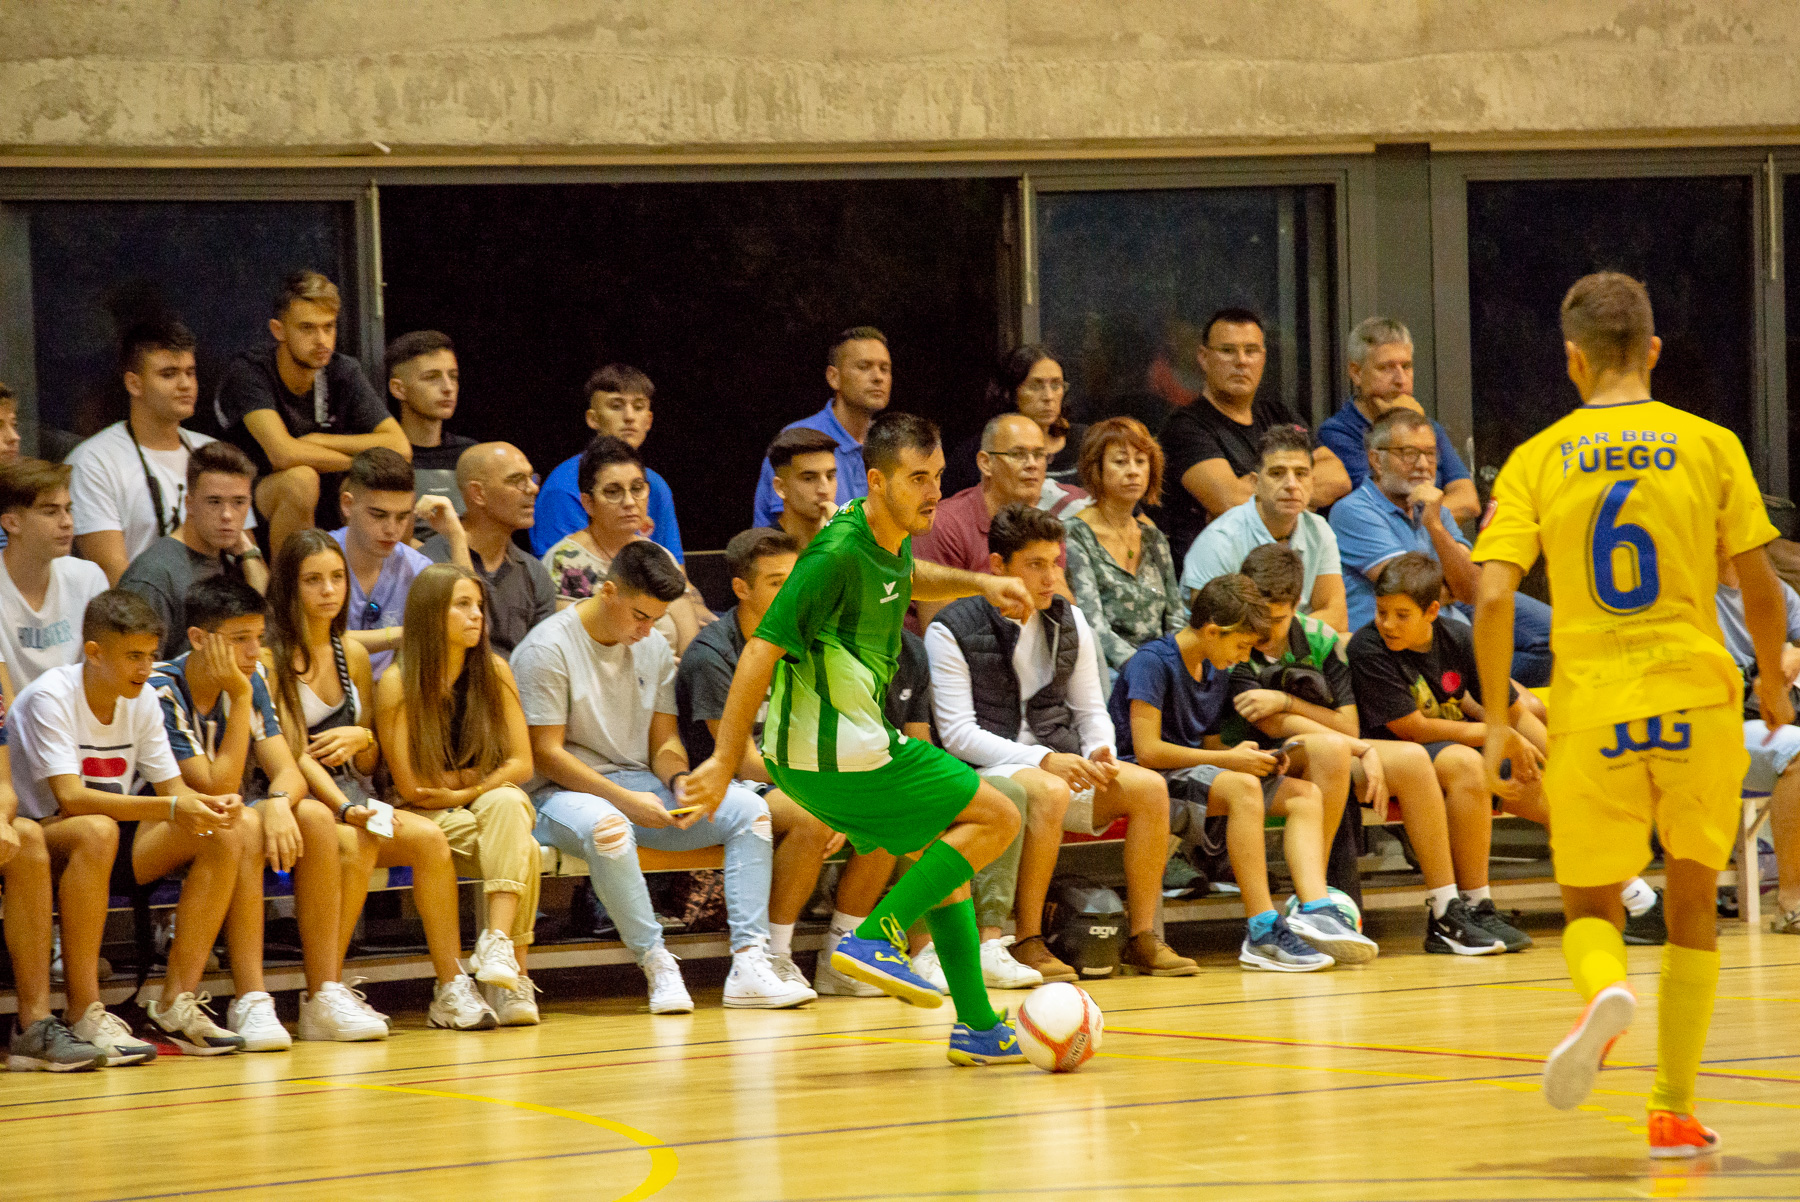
(1120, 566)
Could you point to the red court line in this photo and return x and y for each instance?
(81, 1114)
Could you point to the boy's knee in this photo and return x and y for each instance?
(1459, 766)
(1235, 789)
(611, 837)
(32, 848)
(95, 834)
(299, 484)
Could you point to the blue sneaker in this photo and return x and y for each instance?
(998, 1045)
(884, 964)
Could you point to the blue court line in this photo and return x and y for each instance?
(1110, 1187)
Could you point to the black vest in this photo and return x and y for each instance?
(988, 639)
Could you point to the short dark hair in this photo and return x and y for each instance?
(758, 542)
(1277, 573)
(212, 602)
(853, 334)
(221, 457)
(618, 377)
(379, 469)
(1232, 315)
(1413, 574)
(408, 347)
(157, 334)
(643, 567)
(120, 611)
(24, 480)
(1284, 437)
(307, 285)
(798, 440)
(1230, 603)
(1394, 421)
(892, 432)
(1607, 314)
(7, 397)
(604, 451)
(1017, 526)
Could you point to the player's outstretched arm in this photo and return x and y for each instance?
(705, 786)
(1493, 659)
(935, 582)
(1765, 615)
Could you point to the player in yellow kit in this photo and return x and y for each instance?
(1628, 499)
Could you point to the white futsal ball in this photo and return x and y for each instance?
(1059, 1027)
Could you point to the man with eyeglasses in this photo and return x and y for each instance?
(499, 494)
(1400, 508)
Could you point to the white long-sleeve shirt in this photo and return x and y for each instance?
(953, 699)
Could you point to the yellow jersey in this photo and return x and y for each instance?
(1628, 502)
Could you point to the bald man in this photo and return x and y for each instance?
(499, 492)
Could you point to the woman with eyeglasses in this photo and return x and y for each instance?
(1028, 380)
(323, 692)
(614, 491)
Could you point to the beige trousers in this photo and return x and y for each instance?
(491, 838)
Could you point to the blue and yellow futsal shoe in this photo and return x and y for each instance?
(998, 1045)
(884, 964)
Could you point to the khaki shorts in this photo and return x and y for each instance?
(1078, 819)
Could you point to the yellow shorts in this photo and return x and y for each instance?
(1607, 786)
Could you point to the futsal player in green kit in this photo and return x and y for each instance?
(830, 643)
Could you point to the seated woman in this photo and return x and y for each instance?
(1027, 380)
(323, 688)
(1120, 566)
(614, 492)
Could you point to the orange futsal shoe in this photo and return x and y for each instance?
(1680, 1136)
(1572, 1065)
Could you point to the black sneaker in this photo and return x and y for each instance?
(49, 1046)
(1458, 934)
(1649, 929)
(1490, 920)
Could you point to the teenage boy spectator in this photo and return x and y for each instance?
(424, 381)
(44, 590)
(1381, 379)
(83, 735)
(598, 688)
(9, 426)
(1168, 699)
(210, 541)
(1400, 508)
(379, 510)
(299, 409)
(130, 481)
(804, 463)
(860, 374)
(1280, 512)
(618, 404)
(1317, 705)
(499, 492)
(1414, 676)
(1212, 445)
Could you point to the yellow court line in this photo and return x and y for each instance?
(1642, 994)
(1625, 1093)
(1324, 1043)
(663, 1161)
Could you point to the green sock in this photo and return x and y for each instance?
(938, 874)
(958, 945)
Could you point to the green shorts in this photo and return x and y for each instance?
(899, 807)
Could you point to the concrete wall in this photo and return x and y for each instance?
(242, 77)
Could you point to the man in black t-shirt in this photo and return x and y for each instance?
(424, 382)
(300, 410)
(1212, 446)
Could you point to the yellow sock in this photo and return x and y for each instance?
(1690, 979)
(1595, 951)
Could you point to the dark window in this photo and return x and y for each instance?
(1790, 245)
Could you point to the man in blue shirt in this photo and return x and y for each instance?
(1381, 376)
(861, 377)
(618, 403)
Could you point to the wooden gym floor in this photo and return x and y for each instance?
(1412, 1078)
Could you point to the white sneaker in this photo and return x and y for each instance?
(109, 1033)
(362, 1002)
(927, 966)
(493, 962)
(334, 1014)
(459, 1006)
(252, 1015)
(667, 993)
(514, 1007)
(790, 973)
(190, 1027)
(1000, 971)
(753, 984)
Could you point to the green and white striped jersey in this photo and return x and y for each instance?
(838, 618)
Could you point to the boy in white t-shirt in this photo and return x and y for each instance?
(83, 736)
(43, 589)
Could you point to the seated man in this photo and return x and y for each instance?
(1399, 509)
(860, 374)
(211, 541)
(130, 480)
(1168, 705)
(1381, 379)
(805, 465)
(499, 494)
(597, 684)
(424, 381)
(1023, 700)
(9, 428)
(299, 409)
(618, 404)
(1318, 710)
(1279, 513)
(83, 736)
(44, 590)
